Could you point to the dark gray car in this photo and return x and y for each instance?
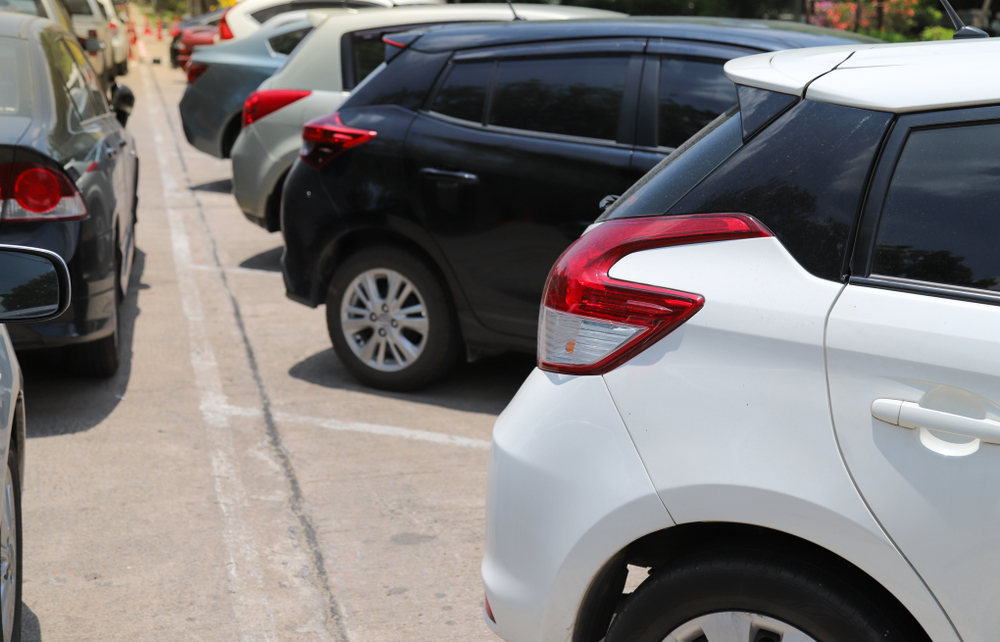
(221, 78)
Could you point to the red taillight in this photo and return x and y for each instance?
(591, 323)
(32, 192)
(112, 26)
(326, 137)
(195, 70)
(489, 611)
(261, 103)
(225, 33)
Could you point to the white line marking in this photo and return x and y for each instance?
(254, 617)
(234, 270)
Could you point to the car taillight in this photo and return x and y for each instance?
(261, 103)
(225, 33)
(591, 323)
(112, 26)
(32, 192)
(326, 137)
(195, 70)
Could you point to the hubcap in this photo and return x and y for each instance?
(736, 626)
(8, 556)
(384, 319)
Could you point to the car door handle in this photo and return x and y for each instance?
(122, 142)
(111, 153)
(464, 178)
(910, 415)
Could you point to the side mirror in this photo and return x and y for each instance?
(34, 284)
(122, 102)
(93, 45)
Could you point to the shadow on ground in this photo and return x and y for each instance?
(31, 628)
(58, 402)
(269, 261)
(225, 186)
(484, 386)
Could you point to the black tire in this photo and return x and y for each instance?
(785, 588)
(18, 555)
(439, 345)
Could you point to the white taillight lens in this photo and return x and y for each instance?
(591, 323)
(33, 192)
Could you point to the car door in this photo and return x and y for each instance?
(509, 162)
(683, 89)
(913, 348)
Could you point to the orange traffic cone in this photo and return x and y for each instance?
(159, 28)
(148, 32)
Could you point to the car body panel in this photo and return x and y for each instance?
(535, 474)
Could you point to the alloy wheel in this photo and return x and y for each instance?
(8, 556)
(384, 319)
(736, 626)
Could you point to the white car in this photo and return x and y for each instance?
(246, 17)
(90, 22)
(769, 376)
(119, 37)
(320, 74)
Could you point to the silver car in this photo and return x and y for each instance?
(342, 50)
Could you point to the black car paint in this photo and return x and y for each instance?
(88, 246)
(494, 236)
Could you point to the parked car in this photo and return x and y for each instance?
(34, 286)
(246, 17)
(468, 164)
(91, 22)
(210, 19)
(768, 375)
(309, 86)
(68, 152)
(55, 10)
(192, 38)
(221, 77)
(119, 37)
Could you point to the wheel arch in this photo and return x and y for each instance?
(18, 435)
(604, 597)
(229, 134)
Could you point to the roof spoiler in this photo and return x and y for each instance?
(395, 43)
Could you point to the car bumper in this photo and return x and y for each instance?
(255, 174)
(203, 121)
(566, 492)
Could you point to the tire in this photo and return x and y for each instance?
(100, 359)
(10, 552)
(381, 346)
(739, 594)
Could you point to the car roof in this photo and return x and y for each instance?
(765, 35)
(17, 25)
(899, 78)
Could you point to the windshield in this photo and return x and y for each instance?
(678, 173)
(15, 98)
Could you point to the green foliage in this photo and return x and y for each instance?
(937, 33)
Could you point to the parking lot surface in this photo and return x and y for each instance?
(232, 481)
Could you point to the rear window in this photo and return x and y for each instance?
(29, 7)
(79, 7)
(15, 88)
(286, 42)
(803, 177)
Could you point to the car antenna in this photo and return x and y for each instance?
(511, 5)
(962, 30)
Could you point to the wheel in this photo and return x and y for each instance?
(390, 320)
(101, 358)
(737, 594)
(10, 552)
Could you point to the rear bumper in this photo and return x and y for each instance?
(566, 492)
(204, 122)
(255, 174)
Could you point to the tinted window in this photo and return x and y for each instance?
(79, 7)
(286, 42)
(759, 106)
(100, 103)
(30, 7)
(941, 218)
(405, 82)
(368, 53)
(264, 15)
(463, 94)
(72, 76)
(692, 94)
(15, 99)
(572, 96)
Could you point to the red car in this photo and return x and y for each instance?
(194, 37)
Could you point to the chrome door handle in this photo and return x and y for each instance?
(441, 175)
(111, 153)
(910, 415)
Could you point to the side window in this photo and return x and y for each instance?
(71, 75)
(286, 42)
(79, 7)
(99, 103)
(692, 94)
(463, 93)
(579, 96)
(368, 52)
(941, 216)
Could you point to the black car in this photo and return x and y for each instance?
(68, 177)
(427, 211)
